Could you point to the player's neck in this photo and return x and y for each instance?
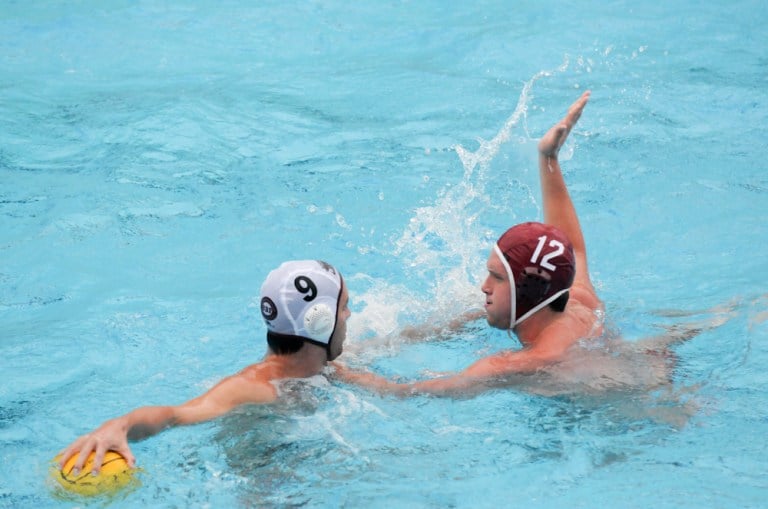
(531, 328)
(308, 361)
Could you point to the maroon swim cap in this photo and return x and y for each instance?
(540, 265)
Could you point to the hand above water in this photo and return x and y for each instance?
(553, 140)
(110, 436)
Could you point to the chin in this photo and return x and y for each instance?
(496, 324)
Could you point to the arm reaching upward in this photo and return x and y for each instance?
(558, 207)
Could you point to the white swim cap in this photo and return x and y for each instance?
(301, 298)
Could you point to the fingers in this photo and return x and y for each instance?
(581, 101)
(553, 140)
(574, 112)
(82, 456)
(82, 448)
(67, 453)
(98, 459)
(126, 453)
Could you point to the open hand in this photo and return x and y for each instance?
(550, 143)
(110, 436)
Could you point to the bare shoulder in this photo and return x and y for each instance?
(584, 298)
(253, 384)
(583, 318)
(242, 388)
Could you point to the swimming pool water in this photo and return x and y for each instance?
(158, 159)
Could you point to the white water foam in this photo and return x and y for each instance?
(444, 245)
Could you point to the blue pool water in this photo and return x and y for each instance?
(157, 159)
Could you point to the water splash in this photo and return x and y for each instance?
(447, 234)
(444, 245)
(488, 149)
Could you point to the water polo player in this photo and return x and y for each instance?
(305, 306)
(538, 286)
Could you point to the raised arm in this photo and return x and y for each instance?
(558, 207)
(113, 435)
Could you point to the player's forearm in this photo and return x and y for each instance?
(375, 382)
(443, 330)
(147, 421)
(558, 206)
(436, 387)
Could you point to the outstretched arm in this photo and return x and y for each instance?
(495, 370)
(428, 331)
(113, 435)
(683, 331)
(558, 207)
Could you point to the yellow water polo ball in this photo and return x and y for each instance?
(114, 475)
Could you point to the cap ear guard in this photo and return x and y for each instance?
(533, 285)
(319, 321)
